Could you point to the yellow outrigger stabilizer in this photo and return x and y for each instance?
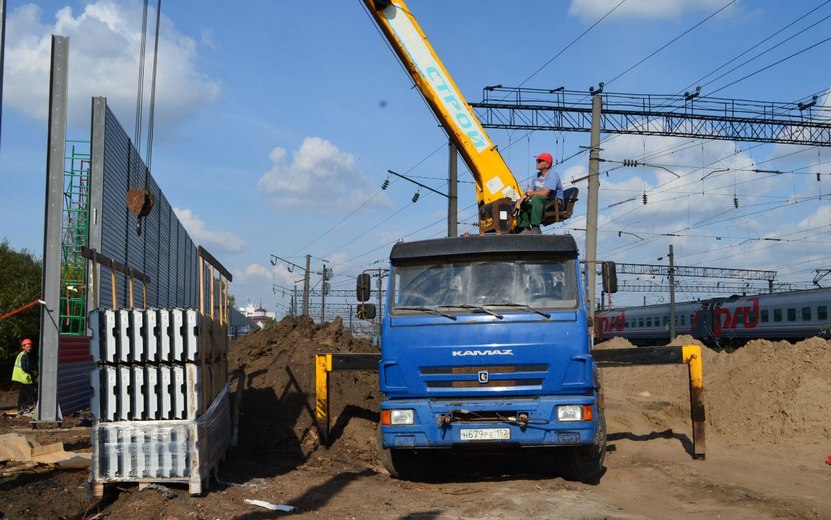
(625, 357)
(688, 354)
(325, 363)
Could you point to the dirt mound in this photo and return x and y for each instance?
(763, 391)
(279, 394)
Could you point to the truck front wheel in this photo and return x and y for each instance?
(585, 463)
(401, 463)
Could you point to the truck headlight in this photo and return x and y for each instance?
(574, 413)
(397, 417)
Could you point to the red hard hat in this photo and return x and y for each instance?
(25, 342)
(545, 156)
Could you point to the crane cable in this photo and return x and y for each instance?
(149, 156)
(140, 89)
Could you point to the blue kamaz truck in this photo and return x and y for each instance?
(485, 344)
(484, 340)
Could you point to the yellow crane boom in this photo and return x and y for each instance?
(496, 187)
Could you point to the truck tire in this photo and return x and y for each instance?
(585, 463)
(402, 464)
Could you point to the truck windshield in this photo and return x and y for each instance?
(545, 284)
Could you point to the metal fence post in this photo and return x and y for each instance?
(47, 408)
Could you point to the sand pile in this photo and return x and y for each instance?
(764, 391)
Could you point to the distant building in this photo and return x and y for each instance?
(239, 325)
(258, 315)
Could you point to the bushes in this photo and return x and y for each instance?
(20, 279)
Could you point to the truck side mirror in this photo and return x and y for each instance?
(366, 311)
(363, 287)
(609, 276)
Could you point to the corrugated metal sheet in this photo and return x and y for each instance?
(74, 365)
(163, 251)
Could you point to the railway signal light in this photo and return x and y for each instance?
(609, 277)
(363, 287)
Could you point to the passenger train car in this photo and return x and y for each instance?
(732, 321)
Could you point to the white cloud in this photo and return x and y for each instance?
(256, 271)
(104, 46)
(589, 11)
(318, 174)
(197, 229)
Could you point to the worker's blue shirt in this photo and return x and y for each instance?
(550, 182)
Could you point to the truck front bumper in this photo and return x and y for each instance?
(458, 423)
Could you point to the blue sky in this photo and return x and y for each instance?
(277, 121)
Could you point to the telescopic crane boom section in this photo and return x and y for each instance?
(496, 188)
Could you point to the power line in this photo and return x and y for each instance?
(764, 40)
(772, 65)
(564, 49)
(728, 4)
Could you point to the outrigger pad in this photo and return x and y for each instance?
(554, 213)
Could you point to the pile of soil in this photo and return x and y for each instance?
(764, 391)
(770, 392)
(277, 422)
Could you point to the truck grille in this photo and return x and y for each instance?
(484, 376)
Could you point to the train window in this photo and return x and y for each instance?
(777, 314)
(640, 322)
(666, 321)
(626, 324)
(683, 319)
(822, 312)
(791, 314)
(648, 322)
(806, 314)
(739, 317)
(764, 315)
(751, 317)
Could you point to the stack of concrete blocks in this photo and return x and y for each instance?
(159, 396)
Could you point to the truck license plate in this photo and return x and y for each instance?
(485, 434)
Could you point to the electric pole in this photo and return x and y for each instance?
(323, 297)
(591, 204)
(452, 188)
(306, 285)
(671, 294)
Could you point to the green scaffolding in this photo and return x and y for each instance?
(75, 236)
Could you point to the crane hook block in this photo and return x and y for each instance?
(139, 202)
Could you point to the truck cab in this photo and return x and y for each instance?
(484, 344)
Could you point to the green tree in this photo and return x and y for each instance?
(20, 279)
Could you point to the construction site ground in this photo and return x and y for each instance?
(768, 445)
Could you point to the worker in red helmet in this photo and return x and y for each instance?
(546, 188)
(24, 375)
